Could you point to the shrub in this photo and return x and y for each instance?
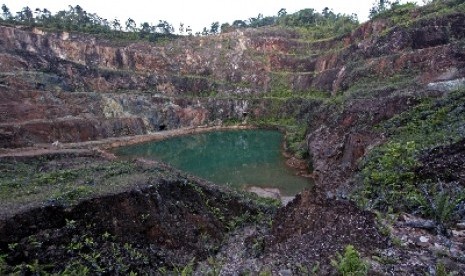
(388, 176)
(350, 263)
(2, 264)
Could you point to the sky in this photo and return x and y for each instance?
(194, 13)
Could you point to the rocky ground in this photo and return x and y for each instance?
(151, 218)
(168, 223)
(157, 220)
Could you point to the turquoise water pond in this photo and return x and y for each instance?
(238, 158)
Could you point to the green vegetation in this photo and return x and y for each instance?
(24, 182)
(3, 263)
(89, 255)
(265, 207)
(406, 14)
(186, 270)
(308, 270)
(295, 140)
(386, 8)
(441, 206)
(289, 114)
(87, 248)
(317, 25)
(398, 13)
(442, 271)
(321, 25)
(281, 87)
(350, 264)
(76, 19)
(367, 87)
(295, 133)
(389, 176)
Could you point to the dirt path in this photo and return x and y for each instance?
(105, 144)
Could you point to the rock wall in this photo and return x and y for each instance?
(31, 117)
(241, 62)
(341, 138)
(41, 74)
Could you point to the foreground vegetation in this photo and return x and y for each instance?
(85, 244)
(392, 174)
(48, 180)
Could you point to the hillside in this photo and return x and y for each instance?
(377, 116)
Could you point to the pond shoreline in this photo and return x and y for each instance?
(171, 152)
(103, 147)
(109, 143)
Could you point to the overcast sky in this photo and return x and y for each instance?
(196, 13)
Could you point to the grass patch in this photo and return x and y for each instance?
(295, 133)
(409, 14)
(367, 86)
(65, 180)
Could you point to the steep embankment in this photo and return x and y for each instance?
(179, 76)
(273, 62)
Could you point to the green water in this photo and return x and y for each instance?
(238, 158)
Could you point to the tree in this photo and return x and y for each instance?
(204, 31)
(255, 21)
(382, 6)
(6, 14)
(38, 13)
(189, 30)
(116, 25)
(80, 15)
(214, 28)
(325, 12)
(239, 24)
(165, 27)
(25, 15)
(105, 24)
(145, 28)
(226, 28)
(131, 25)
(43, 16)
(261, 21)
(282, 12)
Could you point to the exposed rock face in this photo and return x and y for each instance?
(30, 117)
(342, 138)
(35, 117)
(445, 164)
(238, 62)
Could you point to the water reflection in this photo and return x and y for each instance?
(239, 158)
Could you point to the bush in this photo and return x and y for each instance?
(389, 178)
(350, 263)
